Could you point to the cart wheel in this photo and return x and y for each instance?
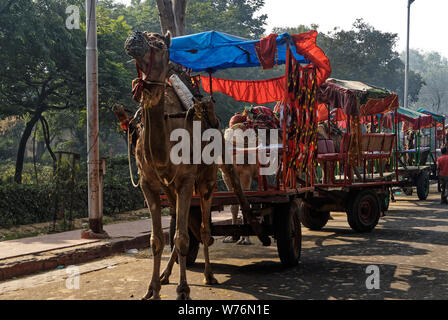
(193, 246)
(408, 191)
(312, 219)
(423, 185)
(288, 233)
(364, 212)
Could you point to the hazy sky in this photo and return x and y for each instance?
(429, 18)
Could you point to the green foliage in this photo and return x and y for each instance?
(236, 17)
(434, 70)
(33, 203)
(364, 54)
(44, 173)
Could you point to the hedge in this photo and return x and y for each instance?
(32, 203)
(26, 204)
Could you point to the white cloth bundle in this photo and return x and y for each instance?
(185, 96)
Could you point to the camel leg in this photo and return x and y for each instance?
(152, 196)
(234, 208)
(165, 276)
(181, 237)
(206, 190)
(246, 181)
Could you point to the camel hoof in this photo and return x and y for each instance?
(244, 242)
(183, 296)
(210, 280)
(150, 295)
(164, 279)
(228, 240)
(183, 291)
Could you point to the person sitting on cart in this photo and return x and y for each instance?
(442, 170)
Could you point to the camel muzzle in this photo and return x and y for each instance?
(136, 45)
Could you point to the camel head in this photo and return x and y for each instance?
(206, 107)
(151, 53)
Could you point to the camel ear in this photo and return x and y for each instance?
(168, 38)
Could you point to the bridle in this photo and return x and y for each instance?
(139, 84)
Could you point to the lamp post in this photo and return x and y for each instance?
(93, 162)
(406, 70)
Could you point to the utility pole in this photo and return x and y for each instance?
(406, 71)
(93, 159)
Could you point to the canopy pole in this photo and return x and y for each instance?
(211, 84)
(397, 140)
(285, 105)
(443, 132)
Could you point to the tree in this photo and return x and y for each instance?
(237, 17)
(172, 16)
(434, 70)
(40, 62)
(365, 54)
(43, 73)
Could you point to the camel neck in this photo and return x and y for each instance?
(155, 137)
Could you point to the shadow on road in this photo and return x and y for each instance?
(323, 273)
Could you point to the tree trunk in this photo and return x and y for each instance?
(22, 145)
(172, 16)
(166, 15)
(179, 8)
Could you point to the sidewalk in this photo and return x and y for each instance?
(29, 255)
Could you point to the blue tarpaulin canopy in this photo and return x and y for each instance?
(212, 50)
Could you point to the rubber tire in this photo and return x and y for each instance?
(354, 218)
(193, 246)
(288, 232)
(423, 185)
(312, 219)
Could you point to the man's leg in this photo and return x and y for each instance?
(443, 182)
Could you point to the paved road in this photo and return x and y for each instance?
(409, 246)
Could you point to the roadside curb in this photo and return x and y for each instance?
(51, 259)
(48, 260)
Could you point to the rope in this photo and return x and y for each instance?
(135, 185)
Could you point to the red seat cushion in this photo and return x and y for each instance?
(329, 156)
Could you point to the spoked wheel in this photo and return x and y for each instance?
(288, 233)
(364, 212)
(312, 219)
(193, 246)
(423, 185)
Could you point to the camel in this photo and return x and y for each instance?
(246, 173)
(152, 148)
